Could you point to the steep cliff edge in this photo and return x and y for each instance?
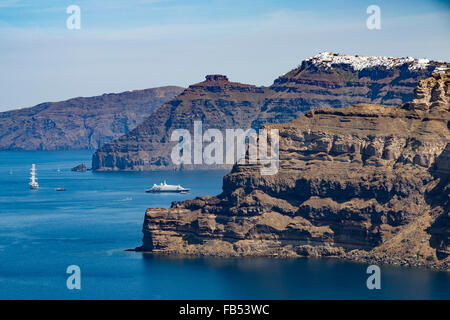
(366, 182)
(217, 102)
(333, 80)
(80, 123)
(325, 80)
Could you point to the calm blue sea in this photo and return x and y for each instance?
(91, 224)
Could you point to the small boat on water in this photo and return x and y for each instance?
(164, 187)
(33, 180)
(61, 189)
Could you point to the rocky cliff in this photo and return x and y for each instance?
(325, 80)
(332, 80)
(367, 183)
(80, 123)
(217, 102)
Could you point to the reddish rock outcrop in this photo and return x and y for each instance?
(217, 102)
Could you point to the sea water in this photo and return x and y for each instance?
(90, 225)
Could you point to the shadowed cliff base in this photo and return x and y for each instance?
(366, 183)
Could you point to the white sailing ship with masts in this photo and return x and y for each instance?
(33, 180)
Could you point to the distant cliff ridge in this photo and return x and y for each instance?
(323, 81)
(216, 102)
(80, 123)
(367, 182)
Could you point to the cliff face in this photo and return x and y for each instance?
(79, 123)
(366, 182)
(217, 102)
(326, 80)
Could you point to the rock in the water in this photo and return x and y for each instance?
(80, 168)
(368, 182)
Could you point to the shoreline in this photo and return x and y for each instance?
(355, 257)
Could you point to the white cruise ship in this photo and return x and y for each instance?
(164, 187)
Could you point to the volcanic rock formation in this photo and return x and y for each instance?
(326, 80)
(217, 102)
(367, 182)
(80, 123)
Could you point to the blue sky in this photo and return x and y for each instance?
(135, 44)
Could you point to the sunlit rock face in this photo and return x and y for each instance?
(366, 182)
